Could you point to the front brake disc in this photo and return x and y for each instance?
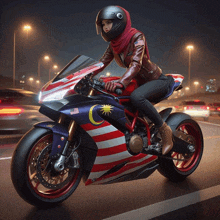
(47, 175)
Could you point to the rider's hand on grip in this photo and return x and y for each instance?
(112, 86)
(118, 91)
(102, 84)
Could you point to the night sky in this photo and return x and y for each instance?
(64, 29)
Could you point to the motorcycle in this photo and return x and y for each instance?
(97, 137)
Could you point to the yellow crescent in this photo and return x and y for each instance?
(91, 118)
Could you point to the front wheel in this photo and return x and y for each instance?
(33, 175)
(183, 165)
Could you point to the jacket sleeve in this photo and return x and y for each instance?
(136, 61)
(106, 59)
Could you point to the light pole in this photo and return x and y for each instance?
(31, 80)
(196, 84)
(14, 62)
(39, 62)
(187, 90)
(190, 47)
(54, 67)
(38, 83)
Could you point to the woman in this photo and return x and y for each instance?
(129, 48)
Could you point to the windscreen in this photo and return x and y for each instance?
(78, 63)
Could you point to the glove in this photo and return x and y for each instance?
(112, 86)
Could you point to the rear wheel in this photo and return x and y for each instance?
(39, 183)
(183, 165)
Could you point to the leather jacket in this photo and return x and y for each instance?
(135, 59)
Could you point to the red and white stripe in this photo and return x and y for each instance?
(70, 81)
(177, 77)
(128, 168)
(112, 150)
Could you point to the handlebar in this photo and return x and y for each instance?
(102, 85)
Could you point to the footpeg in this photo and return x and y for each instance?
(154, 149)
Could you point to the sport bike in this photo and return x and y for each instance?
(98, 138)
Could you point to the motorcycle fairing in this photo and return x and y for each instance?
(91, 112)
(111, 142)
(178, 79)
(68, 104)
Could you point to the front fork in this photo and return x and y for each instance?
(59, 164)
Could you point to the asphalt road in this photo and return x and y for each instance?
(198, 197)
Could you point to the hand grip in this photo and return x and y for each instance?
(118, 91)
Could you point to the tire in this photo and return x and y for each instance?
(177, 171)
(33, 178)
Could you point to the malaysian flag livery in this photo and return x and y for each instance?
(112, 151)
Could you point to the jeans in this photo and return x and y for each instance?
(152, 91)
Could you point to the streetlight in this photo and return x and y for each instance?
(38, 83)
(190, 47)
(27, 28)
(54, 67)
(47, 58)
(31, 80)
(187, 90)
(196, 84)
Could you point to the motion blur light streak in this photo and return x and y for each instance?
(10, 111)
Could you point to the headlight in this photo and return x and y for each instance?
(39, 96)
(55, 96)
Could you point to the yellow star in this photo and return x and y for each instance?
(106, 109)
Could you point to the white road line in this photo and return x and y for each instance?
(211, 137)
(170, 205)
(5, 158)
(209, 123)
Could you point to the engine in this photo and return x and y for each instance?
(136, 141)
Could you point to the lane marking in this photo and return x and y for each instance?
(10, 136)
(5, 158)
(211, 137)
(7, 146)
(209, 123)
(169, 205)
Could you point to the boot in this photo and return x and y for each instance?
(166, 135)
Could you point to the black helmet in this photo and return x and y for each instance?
(118, 17)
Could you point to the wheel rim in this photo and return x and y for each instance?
(64, 180)
(193, 134)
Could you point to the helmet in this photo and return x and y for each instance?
(118, 17)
